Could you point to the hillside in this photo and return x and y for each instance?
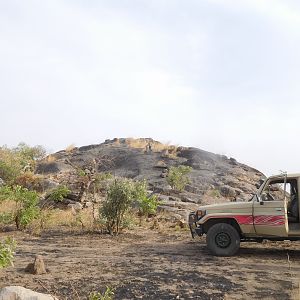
(214, 178)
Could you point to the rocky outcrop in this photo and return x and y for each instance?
(214, 178)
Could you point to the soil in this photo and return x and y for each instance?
(150, 264)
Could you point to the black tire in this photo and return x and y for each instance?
(223, 239)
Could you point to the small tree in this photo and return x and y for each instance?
(177, 177)
(26, 204)
(119, 198)
(14, 162)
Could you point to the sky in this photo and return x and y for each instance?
(220, 75)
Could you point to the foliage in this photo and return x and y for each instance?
(107, 295)
(147, 205)
(7, 249)
(215, 193)
(6, 218)
(26, 204)
(119, 198)
(140, 189)
(81, 173)
(177, 177)
(101, 181)
(103, 176)
(129, 221)
(30, 153)
(59, 193)
(8, 171)
(15, 161)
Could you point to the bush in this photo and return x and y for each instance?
(177, 177)
(58, 194)
(7, 249)
(147, 205)
(107, 295)
(26, 204)
(119, 198)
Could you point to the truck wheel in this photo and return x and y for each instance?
(223, 239)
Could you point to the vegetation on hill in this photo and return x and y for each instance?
(14, 162)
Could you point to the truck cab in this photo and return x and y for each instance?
(272, 214)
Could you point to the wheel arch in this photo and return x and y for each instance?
(231, 221)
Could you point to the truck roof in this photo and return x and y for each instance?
(292, 175)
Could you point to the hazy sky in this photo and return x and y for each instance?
(221, 75)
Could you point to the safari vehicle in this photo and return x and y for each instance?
(271, 214)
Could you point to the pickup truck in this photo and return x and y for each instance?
(271, 214)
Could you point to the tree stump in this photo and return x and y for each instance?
(37, 267)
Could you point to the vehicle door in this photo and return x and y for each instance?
(270, 210)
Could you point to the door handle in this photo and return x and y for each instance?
(278, 209)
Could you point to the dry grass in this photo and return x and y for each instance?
(156, 146)
(7, 206)
(70, 148)
(87, 220)
(50, 158)
(136, 143)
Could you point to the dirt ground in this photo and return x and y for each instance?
(147, 264)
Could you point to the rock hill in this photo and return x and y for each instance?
(214, 178)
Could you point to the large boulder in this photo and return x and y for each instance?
(20, 293)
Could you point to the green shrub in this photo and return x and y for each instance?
(215, 193)
(147, 205)
(26, 204)
(107, 295)
(7, 249)
(177, 177)
(118, 201)
(58, 194)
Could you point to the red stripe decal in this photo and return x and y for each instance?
(267, 220)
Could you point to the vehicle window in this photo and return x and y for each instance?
(274, 191)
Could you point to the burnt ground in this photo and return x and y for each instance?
(147, 264)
